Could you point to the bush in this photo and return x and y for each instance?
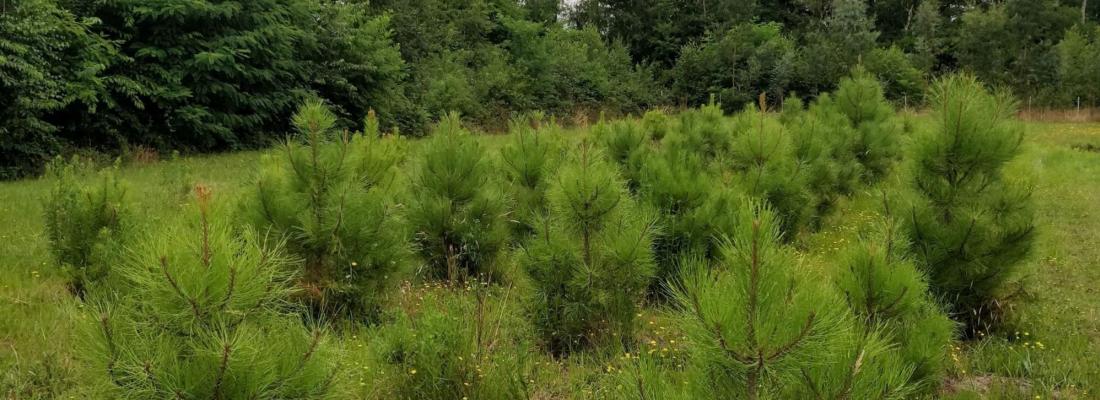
(758, 325)
(457, 211)
(971, 225)
(48, 61)
(877, 139)
(89, 219)
(447, 344)
(330, 198)
(590, 260)
(199, 314)
(528, 162)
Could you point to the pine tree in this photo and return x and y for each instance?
(819, 136)
(625, 143)
(765, 166)
(971, 224)
(88, 221)
(758, 325)
(876, 143)
(457, 210)
(689, 205)
(330, 197)
(887, 292)
(591, 258)
(528, 162)
(199, 314)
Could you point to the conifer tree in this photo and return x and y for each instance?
(528, 162)
(201, 315)
(591, 258)
(626, 144)
(876, 140)
(330, 198)
(88, 221)
(457, 210)
(703, 131)
(691, 206)
(765, 166)
(758, 325)
(887, 292)
(971, 224)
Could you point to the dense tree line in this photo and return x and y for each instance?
(221, 75)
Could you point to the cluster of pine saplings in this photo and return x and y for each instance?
(464, 263)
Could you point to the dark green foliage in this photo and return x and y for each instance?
(1079, 57)
(330, 196)
(528, 162)
(971, 224)
(1012, 44)
(457, 211)
(590, 260)
(876, 143)
(887, 292)
(450, 345)
(228, 75)
(356, 66)
(48, 61)
(836, 44)
(735, 66)
(669, 24)
(758, 325)
(89, 219)
(200, 315)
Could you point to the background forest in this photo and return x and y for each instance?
(201, 76)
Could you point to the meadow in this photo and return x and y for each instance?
(1045, 348)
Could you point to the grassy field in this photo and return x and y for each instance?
(1050, 351)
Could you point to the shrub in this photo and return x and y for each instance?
(330, 198)
(902, 82)
(447, 344)
(591, 258)
(971, 225)
(88, 221)
(49, 61)
(457, 211)
(199, 314)
(876, 143)
(528, 162)
(758, 325)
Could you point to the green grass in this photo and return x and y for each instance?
(1052, 356)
